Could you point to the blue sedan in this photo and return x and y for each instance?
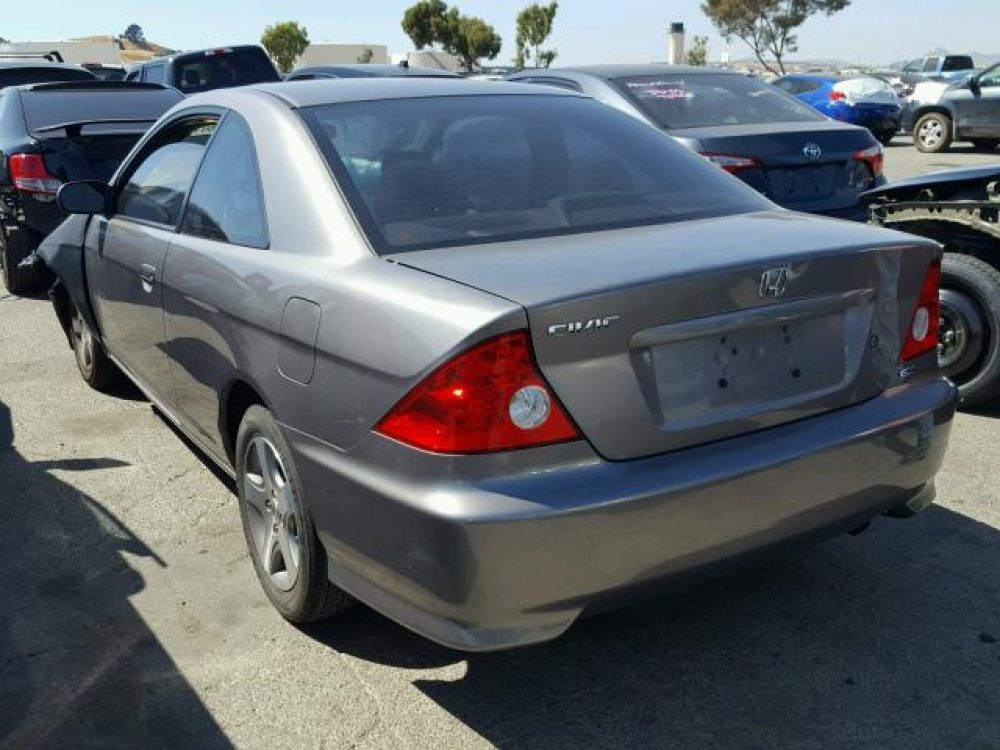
(860, 100)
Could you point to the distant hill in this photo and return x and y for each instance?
(130, 51)
(981, 59)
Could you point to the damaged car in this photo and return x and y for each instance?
(459, 373)
(57, 132)
(960, 208)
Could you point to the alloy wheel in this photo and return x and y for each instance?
(274, 513)
(83, 343)
(931, 133)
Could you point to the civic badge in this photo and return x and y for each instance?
(812, 151)
(773, 282)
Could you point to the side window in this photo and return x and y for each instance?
(156, 188)
(226, 201)
(788, 85)
(991, 78)
(133, 75)
(931, 64)
(807, 87)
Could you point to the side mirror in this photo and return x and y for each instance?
(974, 86)
(84, 197)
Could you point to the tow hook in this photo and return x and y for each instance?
(33, 259)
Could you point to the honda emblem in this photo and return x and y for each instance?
(773, 282)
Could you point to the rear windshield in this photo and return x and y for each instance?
(45, 108)
(223, 69)
(438, 171)
(957, 62)
(705, 100)
(21, 76)
(109, 73)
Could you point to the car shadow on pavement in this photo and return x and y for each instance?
(886, 640)
(78, 666)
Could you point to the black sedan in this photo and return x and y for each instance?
(789, 152)
(51, 133)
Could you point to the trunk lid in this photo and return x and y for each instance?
(806, 166)
(658, 338)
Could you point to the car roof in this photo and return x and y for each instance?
(377, 70)
(41, 64)
(635, 69)
(310, 93)
(96, 85)
(201, 52)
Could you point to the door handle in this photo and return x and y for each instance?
(147, 275)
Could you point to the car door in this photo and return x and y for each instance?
(985, 120)
(211, 275)
(131, 246)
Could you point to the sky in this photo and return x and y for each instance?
(586, 31)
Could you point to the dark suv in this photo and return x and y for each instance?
(203, 70)
(965, 111)
(52, 133)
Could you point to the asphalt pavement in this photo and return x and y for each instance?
(130, 615)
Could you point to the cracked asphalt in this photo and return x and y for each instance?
(130, 616)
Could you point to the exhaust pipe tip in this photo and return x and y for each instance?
(917, 502)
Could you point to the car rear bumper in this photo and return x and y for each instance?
(513, 559)
(876, 118)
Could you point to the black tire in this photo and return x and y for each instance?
(970, 297)
(18, 280)
(311, 597)
(985, 144)
(885, 137)
(96, 368)
(933, 133)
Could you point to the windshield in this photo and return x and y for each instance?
(217, 69)
(45, 108)
(705, 100)
(437, 171)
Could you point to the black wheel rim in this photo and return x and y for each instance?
(963, 336)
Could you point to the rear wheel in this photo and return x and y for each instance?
(985, 144)
(932, 133)
(95, 367)
(290, 562)
(969, 352)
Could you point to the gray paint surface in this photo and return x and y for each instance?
(448, 545)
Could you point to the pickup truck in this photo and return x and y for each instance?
(937, 68)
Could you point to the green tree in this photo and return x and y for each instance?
(698, 54)
(471, 39)
(285, 41)
(366, 56)
(767, 26)
(430, 22)
(134, 34)
(534, 26)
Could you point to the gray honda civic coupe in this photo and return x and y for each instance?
(490, 357)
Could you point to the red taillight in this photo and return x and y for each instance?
(28, 173)
(731, 164)
(874, 157)
(922, 335)
(838, 96)
(489, 398)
